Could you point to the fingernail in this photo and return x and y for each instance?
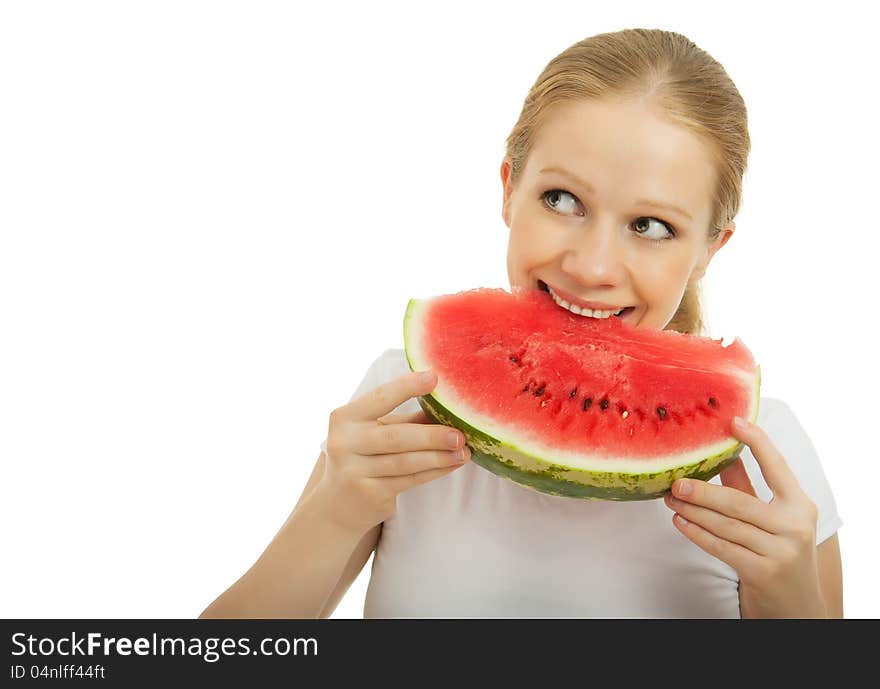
(427, 376)
(452, 439)
(684, 487)
(739, 423)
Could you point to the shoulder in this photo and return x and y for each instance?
(782, 425)
(395, 360)
(777, 419)
(390, 361)
(780, 422)
(388, 365)
(788, 435)
(773, 410)
(392, 364)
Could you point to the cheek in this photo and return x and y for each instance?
(528, 247)
(664, 273)
(661, 286)
(660, 279)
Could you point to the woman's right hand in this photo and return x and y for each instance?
(372, 455)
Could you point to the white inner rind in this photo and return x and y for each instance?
(522, 443)
(575, 460)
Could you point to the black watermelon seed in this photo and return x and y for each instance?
(525, 389)
(713, 402)
(587, 402)
(661, 412)
(539, 391)
(604, 404)
(573, 393)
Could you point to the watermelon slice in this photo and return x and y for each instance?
(574, 406)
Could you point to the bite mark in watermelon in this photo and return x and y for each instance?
(574, 406)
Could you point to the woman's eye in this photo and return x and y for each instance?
(555, 199)
(643, 224)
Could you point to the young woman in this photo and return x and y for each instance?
(621, 181)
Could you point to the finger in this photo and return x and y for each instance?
(733, 530)
(778, 475)
(730, 502)
(406, 463)
(385, 398)
(402, 483)
(386, 439)
(740, 558)
(401, 417)
(735, 476)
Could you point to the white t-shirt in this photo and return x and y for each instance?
(474, 545)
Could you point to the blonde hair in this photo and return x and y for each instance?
(674, 77)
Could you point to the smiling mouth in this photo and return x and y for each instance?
(545, 288)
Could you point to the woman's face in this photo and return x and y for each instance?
(587, 229)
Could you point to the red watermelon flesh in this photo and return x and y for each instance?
(552, 398)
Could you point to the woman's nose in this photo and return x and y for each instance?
(597, 255)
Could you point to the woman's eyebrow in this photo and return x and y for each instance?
(643, 202)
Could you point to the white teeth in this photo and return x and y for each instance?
(582, 312)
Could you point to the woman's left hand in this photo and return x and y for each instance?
(772, 546)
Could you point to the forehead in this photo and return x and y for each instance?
(626, 151)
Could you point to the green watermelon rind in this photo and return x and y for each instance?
(607, 485)
(508, 461)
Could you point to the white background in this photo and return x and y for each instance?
(213, 215)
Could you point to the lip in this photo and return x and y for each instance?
(594, 305)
